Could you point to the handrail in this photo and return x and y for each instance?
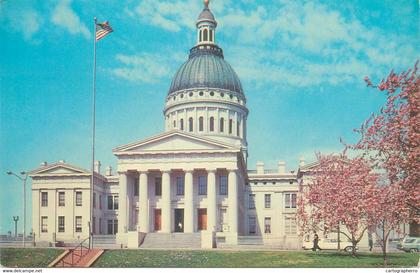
(73, 253)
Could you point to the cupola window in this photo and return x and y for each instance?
(230, 126)
(205, 35)
(200, 36)
(211, 35)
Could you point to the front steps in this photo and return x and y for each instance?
(77, 258)
(105, 242)
(172, 240)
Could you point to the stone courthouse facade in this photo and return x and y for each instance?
(189, 185)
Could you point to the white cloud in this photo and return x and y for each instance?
(64, 16)
(147, 68)
(289, 43)
(26, 21)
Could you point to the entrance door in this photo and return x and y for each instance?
(179, 220)
(158, 216)
(202, 219)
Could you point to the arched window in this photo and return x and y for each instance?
(201, 124)
(211, 35)
(205, 34)
(200, 37)
(181, 124)
(237, 128)
(211, 124)
(222, 125)
(190, 124)
(230, 125)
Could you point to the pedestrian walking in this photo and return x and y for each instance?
(316, 240)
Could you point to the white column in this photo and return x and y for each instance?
(211, 199)
(143, 217)
(189, 202)
(122, 198)
(233, 201)
(166, 202)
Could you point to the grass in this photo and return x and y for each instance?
(246, 259)
(28, 257)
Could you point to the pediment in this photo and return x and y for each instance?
(173, 141)
(59, 169)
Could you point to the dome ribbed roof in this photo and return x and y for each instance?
(206, 68)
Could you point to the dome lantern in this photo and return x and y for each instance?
(206, 26)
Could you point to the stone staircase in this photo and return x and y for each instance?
(172, 240)
(105, 242)
(77, 258)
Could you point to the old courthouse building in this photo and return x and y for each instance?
(189, 186)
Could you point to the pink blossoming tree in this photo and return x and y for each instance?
(338, 195)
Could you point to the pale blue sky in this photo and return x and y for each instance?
(301, 64)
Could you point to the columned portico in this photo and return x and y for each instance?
(211, 199)
(233, 201)
(189, 202)
(166, 201)
(143, 216)
(123, 210)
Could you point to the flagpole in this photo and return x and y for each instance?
(93, 135)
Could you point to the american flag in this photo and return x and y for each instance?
(103, 29)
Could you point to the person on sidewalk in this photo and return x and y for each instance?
(316, 246)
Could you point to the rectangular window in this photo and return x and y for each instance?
(237, 128)
(290, 200)
(267, 225)
(158, 186)
(223, 185)
(61, 199)
(93, 225)
(94, 200)
(78, 223)
(78, 198)
(136, 187)
(267, 201)
(251, 201)
(100, 201)
(202, 185)
(116, 203)
(180, 186)
(252, 224)
(100, 225)
(230, 126)
(44, 199)
(290, 226)
(61, 224)
(110, 202)
(44, 223)
(112, 226)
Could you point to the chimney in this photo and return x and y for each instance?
(108, 171)
(97, 166)
(301, 162)
(260, 167)
(282, 167)
(43, 164)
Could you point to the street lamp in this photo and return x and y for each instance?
(22, 177)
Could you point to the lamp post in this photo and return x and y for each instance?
(22, 177)
(15, 219)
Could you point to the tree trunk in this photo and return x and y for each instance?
(353, 251)
(338, 237)
(384, 253)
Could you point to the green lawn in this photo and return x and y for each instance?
(28, 257)
(177, 258)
